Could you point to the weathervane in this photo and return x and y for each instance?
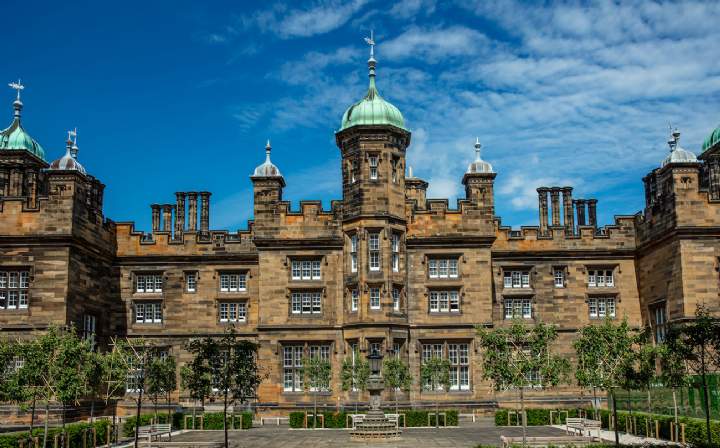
(371, 41)
(674, 137)
(477, 148)
(17, 86)
(72, 136)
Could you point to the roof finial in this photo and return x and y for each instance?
(371, 41)
(268, 148)
(371, 62)
(674, 138)
(17, 104)
(477, 149)
(74, 148)
(410, 173)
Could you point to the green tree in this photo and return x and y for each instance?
(196, 375)
(93, 375)
(673, 372)
(140, 353)
(114, 376)
(435, 375)
(37, 354)
(397, 376)
(318, 373)
(10, 385)
(695, 342)
(519, 356)
(605, 354)
(354, 374)
(161, 380)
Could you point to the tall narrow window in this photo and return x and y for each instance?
(459, 366)
(373, 161)
(559, 277)
(293, 368)
(190, 281)
(660, 324)
(395, 242)
(353, 253)
(89, 328)
(374, 298)
(374, 251)
(394, 171)
(396, 299)
(354, 299)
(430, 351)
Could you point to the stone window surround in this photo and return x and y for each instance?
(186, 275)
(602, 295)
(613, 268)
(438, 289)
(471, 350)
(322, 260)
(240, 291)
(563, 270)
(658, 313)
(145, 303)
(307, 289)
(30, 277)
(221, 301)
(134, 278)
(305, 352)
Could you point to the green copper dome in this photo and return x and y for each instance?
(16, 138)
(372, 109)
(711, 139)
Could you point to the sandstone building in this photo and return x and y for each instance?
(385, 268)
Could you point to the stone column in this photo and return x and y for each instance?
(568, 210)
(4, 182)
(543, 207)
(155, 217)
(580, 208)
(204, 211)
(555, 204)
(167, 217)
(179, 214)
(592, 212)
(192, 211)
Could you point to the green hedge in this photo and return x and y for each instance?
(128, 429)
(214, 420)
(74, 431)
(536, 417)
(413, 418)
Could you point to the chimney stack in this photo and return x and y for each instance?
(592, 212)
(543, 207)
(568, 209)
(192, 211)
(204, 211)
(167, 217)
(555, 198)
(580, 209)
(179, 214)
(155, 217)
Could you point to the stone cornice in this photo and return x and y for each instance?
(304, 243)
(224, 258)
(506, 255)
(449, 241)
(684, 232)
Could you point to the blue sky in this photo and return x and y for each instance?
(181, 95)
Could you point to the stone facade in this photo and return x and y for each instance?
(384, 268)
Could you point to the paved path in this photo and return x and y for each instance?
(628, 439)
(461, 437)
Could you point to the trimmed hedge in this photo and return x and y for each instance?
(694, 427)
(74, 431)
(214, 420)
(413, 418)
(128, 429)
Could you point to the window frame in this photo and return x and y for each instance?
(239, 278)
(559, 277)
(238, 309)
(516, 278)
(373, 164)
(306, 303)
(518, 307)
(375, 295)
(14, 288)
(445, 301)
(354, 299)
(150, 282)
(601, 277)
(306, 269)
(608, 305)
(374, 252)
(191, 285)
(151, 312)
(354, 253)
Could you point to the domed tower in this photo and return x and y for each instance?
(478, 180)
(21, 157)
(268, 184)
(372, 139)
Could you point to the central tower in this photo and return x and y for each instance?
(372, 140)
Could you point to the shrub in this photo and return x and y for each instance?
(214, 420)
(128, 429)
(414, 418)
(297, 419)
(74, 431)
(536, 417)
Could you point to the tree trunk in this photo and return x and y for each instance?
(113, 434)
(62, 420)
(649, 401)
(169, 416)
(705, 396)
(614, 405)
(315, 410)
(194, 408)
(675, 407)
(437, 413)
(155, 400)
(396, 402)
(137, 410)
(32, 418)
(595, 403)
(92, 409)
(225, 404)
(47, 417)
(522, 414)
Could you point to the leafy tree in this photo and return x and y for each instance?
(673, 372)
(37, 354)
(140, 353)
(10, 386)
(354, 375)
(318, 373)
(161, 380)
(115, 369)
(197, 376)
(93, 375)
(695, 342)
(605, 354)
(397, 376)
(519, 356)
(641, 370)
(435, 374)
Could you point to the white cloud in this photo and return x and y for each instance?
(433, 44)
(406, 9)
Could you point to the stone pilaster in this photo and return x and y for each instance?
(204, 211)
(179, 214)
(543, 208)
(555, 204)
(192, 211)
(568, 210)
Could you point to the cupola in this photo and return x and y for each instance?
(267, 168)
(15, 137)
(678, 154)
(479, 166)
(69, 161)
(372, 109)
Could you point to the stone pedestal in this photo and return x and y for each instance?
(375, 426)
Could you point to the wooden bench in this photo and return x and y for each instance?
(509, 441)
(278, 420)
(583, 424)
(152, 432)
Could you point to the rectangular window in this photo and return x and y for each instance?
(306, 302)
(148, 283)
(601, 278)
(516, 279)
(374, 251)
(518, 308)
(88, 332)
(354, 299)
(375, 347)
(14, 287)
(443, 268)
(660, 323)
(148, 312)
(293, 368)
(394, 171)
(396, 299)
(458, 355)
(232, 311)
(395, 243)
(233, 282)
(353, 253)
(444, 302)
(374, 298)
(373, 162)
(305, 269)
(559, 277)
(191, 282)
(601, 307)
